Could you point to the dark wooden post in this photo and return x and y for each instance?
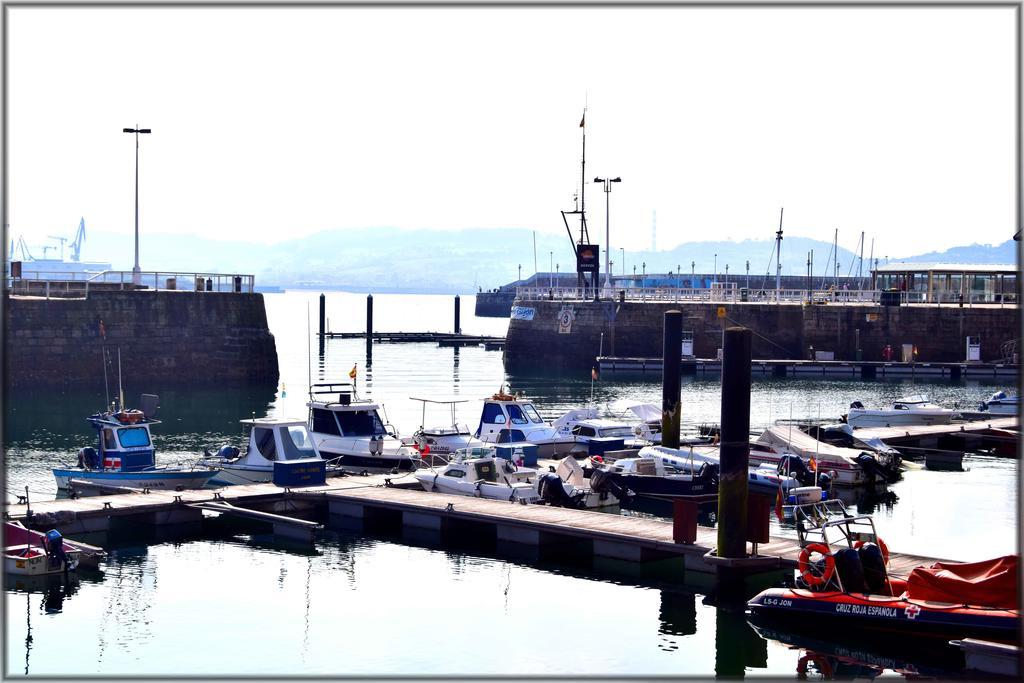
(369, 324)
(670, 378)
(734, 448)
(323, 318)
(458, 304)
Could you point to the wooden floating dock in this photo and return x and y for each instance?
(440, 338)
(620, 537)
(816, 368)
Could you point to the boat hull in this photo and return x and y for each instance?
(896, 418)
(884, 613)
(664, 488)
(375, 464)
(32, 561)
(442, 484)
(168, 480)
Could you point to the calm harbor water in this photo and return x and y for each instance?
(386, 603)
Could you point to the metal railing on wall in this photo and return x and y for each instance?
(77, 285)
(739, 295)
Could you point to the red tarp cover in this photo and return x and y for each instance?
(991, 583)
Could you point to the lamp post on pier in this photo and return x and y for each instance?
(136, 271)
(621, 249)
(607, 232)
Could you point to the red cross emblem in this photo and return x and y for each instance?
(912, 611)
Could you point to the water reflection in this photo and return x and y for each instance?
(849, 654)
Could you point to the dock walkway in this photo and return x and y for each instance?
(441, 338)
(610, 535)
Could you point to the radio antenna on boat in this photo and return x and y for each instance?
(309, 354)
(120, 385)
(106, 386)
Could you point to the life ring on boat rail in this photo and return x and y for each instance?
(820, 663)
(881, 544)
(129, 416)
(810, 578)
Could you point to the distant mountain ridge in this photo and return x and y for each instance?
(393, 259)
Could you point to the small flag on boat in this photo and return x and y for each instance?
(593, 373)
(352, 372)
(584, 118)
(813, 464)
(103, 330)
(778, 502)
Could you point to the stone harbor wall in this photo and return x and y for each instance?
(554, 336)
(175, 338)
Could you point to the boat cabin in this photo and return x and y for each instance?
(335, 410)
(123, 442)
(504, 412)
(274, 439)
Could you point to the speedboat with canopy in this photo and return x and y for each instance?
(843, 581)
(511, 418)
(271, 440)
(432, 441)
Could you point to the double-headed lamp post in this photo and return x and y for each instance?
(607, 232)
(136, 271)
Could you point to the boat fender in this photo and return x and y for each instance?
(881, 544)
(820, 663)
(810, 578)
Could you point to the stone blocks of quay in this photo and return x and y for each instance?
(165, 337)
(781, 331)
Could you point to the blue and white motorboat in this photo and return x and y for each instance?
(512, 419)
(271, 440)
(1000, 403)
(125, 456)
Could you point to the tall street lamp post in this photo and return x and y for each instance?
(136, 271)
(607, 232)
(623, 261)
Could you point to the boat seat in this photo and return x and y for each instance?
(646, 467)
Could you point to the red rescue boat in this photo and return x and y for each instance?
(849, 583)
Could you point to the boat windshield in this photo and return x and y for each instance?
(133, 437)
(297, 443)
(515, 413)
(360, 423)
(531, 412)
(616, 431)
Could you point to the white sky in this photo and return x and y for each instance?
(275, 123)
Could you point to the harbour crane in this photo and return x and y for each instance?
(62, 240)
(76, 244)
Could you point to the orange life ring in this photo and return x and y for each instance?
(881, 545)
(809, 577)
(820, 662)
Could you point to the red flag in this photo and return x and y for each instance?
(813, 465)
(593, 373)
(778, 503)
(103, 330)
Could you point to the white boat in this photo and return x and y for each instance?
(646, 421)
(852, 467)
(480, 473)
(125, 456)
(349, 431)
(1001, 404)
(610, 434)
(271, 439)
(917, 410)
(441, 440)
(30, 553)
(511, 418)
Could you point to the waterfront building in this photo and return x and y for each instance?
(949, 282)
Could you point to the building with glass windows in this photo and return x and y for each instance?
(949, 282)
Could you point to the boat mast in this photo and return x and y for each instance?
(871, 257)
(860, 265)
(778, 259)
(583, 193)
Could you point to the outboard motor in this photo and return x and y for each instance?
(857, 405)
(796, 468)
(551, 491)
(603, 482)
(868, 464)
(873, 563)
(708, 472)
(228, 452)
(825, 482)
(849, 570)
(55, 549)
(88, 458)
